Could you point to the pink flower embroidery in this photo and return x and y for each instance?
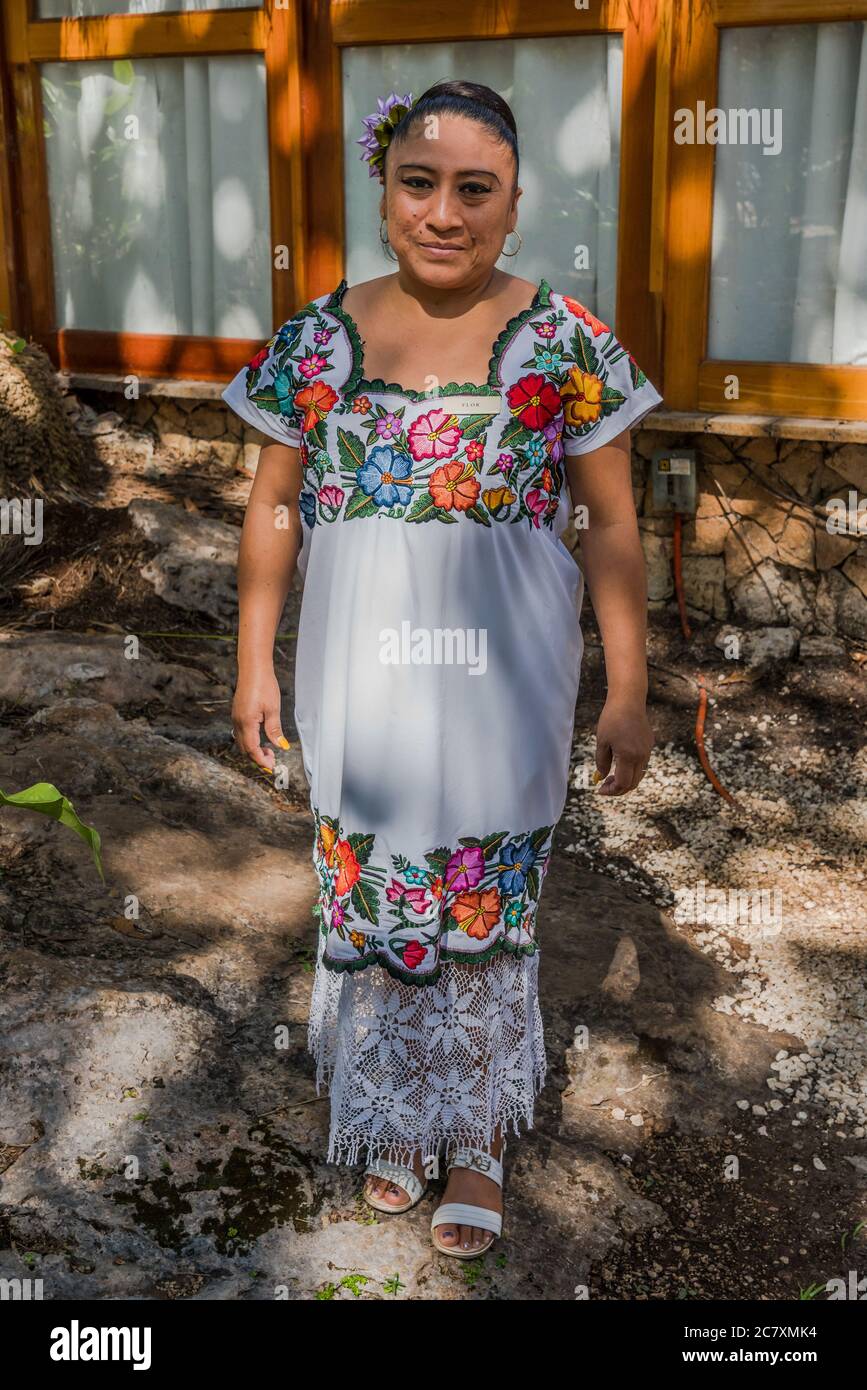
(537, 501)
(436, 435)
(545, 330)
(465, 869)
(332, 496)
(415, 897)
(504, 462)
(311, 366)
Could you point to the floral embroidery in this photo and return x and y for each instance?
(419, 461)
(463, 903)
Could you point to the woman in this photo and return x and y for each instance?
(425, 423)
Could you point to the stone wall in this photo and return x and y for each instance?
(758, 552)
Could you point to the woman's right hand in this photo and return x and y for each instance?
(257, 702)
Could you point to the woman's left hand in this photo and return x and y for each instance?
(624, 736)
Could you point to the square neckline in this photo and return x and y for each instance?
(358, 383)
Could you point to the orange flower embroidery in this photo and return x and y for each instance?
(315, 400)
(594, 324)
(349, 871)
(327, 838)
(454, 485)
(477, 913)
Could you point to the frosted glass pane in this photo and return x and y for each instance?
(83, 9)
(788, 269)
(158, 190)
(565, 94)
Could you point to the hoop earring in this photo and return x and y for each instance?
(384, 241)
(504, 252)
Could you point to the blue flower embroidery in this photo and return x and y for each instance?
(380, 474)
(284, 389)
(518, 860)
(307, 505)
(536, 451)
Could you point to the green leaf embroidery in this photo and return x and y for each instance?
(584, 353)
(365, 900)
(351, 450)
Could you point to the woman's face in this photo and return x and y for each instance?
(449, 201)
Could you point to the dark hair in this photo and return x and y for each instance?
(471, 99)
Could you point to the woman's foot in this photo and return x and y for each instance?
(390, 1192)
(470, 1186)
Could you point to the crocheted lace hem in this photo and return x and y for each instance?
(410, 1069)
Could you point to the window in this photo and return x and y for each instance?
(153, 207)
(158, 191)
(789, 225)
(765, 278)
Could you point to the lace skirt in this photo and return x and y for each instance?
(410, 1067)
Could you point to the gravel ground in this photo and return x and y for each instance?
(782, 873)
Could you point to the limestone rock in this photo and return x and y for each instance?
(194, 567)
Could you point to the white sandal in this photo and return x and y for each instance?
(465, 1214)
(401, 1177)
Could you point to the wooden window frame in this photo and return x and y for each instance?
(28, 284)
(302, 46)
(693, 381)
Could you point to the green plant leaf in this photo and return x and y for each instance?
(48, 801)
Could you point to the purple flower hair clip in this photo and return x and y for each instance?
(379, 127)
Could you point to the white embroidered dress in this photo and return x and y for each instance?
(437, 670)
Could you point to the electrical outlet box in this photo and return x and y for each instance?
(674, 474)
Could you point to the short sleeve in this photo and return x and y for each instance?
(264, 391)
(603, 389)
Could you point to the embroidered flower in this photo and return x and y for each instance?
(537, 451)
(553, 433)
(322, 335)
(454, 486)
(311, 366)
(331, 496)
(383, 476)
(436, 435)
(327, 838)
(537, 502)
(360, 406)
(415, 897)
(498, 497)
(338, 914)
(349, 869)
(315, 400)
(307, 507)
(516, 861)
(594, 324)
(388, 425)
(358, 939)
(547, 360)
(512, 914)
(413, 954)
(477, 913)
(504, 462)
(545, 330)
(534, 401)
(465, 868)
(255, 362)
(581, 393)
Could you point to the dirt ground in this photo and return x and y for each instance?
(703, 1130)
